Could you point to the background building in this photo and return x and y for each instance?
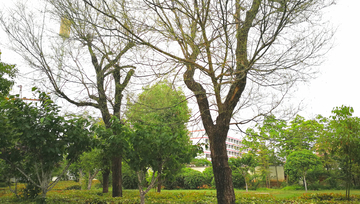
(200, 137)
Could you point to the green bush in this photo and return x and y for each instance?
(293, 187)
(193, 180)
(317, 186)
(208, 176)
(328, 197)
(30, 191)
(73, 187)
(129, 177)
(176, 181)
(238, 180)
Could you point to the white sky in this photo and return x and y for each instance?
(339, 79)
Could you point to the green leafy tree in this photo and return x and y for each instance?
(160, 140)
(245, 165)
(7, 73)
(90, 164)
(342, 140)
(84, 65)
(301, 162)
(41, 140)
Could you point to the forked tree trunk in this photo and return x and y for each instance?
(221, 169)
(116, 176)
(105, 176)
(91, 177)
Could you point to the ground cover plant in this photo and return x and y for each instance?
(62, 194)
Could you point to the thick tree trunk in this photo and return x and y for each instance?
(105, 176)
(116, 177)
(221, 169)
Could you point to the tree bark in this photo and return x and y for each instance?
(221, 169)
(80, 177)
(116, 176)
(91, 177)
(105, 176)
(305, 184)
(159, 179)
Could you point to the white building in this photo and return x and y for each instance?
(232, 144)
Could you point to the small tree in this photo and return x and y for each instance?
(244, 165)
(342, 140)
(160, 139)
(41, 139)
(90, 163)
(301, 162)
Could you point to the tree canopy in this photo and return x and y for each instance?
(41, 138)
(160, 139)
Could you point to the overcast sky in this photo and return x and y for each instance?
(338, 82)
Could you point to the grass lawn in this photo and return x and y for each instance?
(60, 195)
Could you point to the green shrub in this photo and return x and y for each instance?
(73, 187)
(293, 187)
(238, 180)
(193, 180)
(328, 197)
(176, 181)
(30, 191)
(208, 176)
(129, 177)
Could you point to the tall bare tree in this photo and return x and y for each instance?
(229, 50)
(85, 65)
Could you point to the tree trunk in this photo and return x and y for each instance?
(80, 177)
(305, 184)
(105, 176)
(116, 176)
(221, 169)
(91, 177)
(159, 179)
(246, 185)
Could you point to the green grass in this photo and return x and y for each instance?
(60, 195)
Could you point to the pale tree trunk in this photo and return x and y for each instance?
(305, 184)
(80, 177)
(91, 177)
(246, 186)
(141, 178)
(15, 188)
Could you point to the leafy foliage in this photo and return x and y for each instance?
(301, 162)
(6, 71)
(41, 138)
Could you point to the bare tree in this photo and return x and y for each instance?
(85, 65)
(226, 45)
